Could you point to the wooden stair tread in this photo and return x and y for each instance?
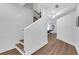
(11, 52)
(20, 46)
(22, 40)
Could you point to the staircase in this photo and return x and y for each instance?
(36, 16)
(18, 50)
(20, 43)
(20, 46)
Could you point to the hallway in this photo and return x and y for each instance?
(56, 47)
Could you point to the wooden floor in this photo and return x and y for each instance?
(14, 51)
(56, 47)
(11, 52)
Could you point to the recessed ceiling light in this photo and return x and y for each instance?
(56, 6)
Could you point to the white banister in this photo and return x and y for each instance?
(35, 36)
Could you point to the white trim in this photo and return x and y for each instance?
(77, 48)
(35, 49)
(21, 42)
(7, 49)
(67, 41)
(19, 50)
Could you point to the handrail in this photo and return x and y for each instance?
(32, 23)
(37, 12)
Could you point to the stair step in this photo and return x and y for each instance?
(21, 47)
(22, 40)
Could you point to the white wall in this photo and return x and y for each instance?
(29, 5)
(13, 18)
(66, 27)
(35, 36)
(77, 28)
(76, 40)
(36, 6)
(51, 11)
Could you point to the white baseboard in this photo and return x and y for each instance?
(7, 49)
(75, 45)
(69, 42)
(20, 50)
(36, 48)
(77, 48)
(21, 42)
